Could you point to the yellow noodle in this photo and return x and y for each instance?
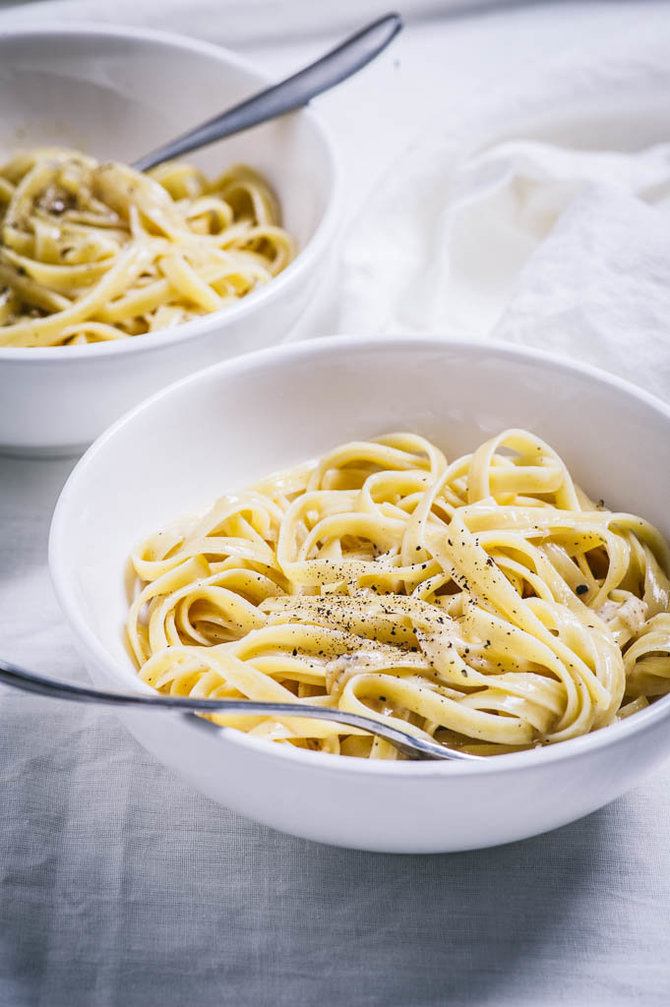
(91, 252)
(486, 603)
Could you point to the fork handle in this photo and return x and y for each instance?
(410, 746)
(290, 94)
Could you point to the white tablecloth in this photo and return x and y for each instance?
(121, 886)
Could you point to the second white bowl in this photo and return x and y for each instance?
(117, 93)
(224, 429)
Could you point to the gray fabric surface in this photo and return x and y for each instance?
(121, 886)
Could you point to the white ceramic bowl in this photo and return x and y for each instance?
(117, 93)
(251, 416)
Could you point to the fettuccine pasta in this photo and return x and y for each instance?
(92, 252)
(485, 602)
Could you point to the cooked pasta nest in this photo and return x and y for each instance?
(486, 603)
(95, 251)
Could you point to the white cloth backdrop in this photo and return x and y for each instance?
(542, 219)
(234, 22)
(121, 886)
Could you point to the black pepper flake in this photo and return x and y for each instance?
(582, 588)
(295, 651)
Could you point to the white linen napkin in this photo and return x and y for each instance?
(552, 245)
(598, 289)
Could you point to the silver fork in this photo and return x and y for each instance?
(410, 746)
(290, 94)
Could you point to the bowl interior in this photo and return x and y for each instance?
(226, 427)
(119, 93)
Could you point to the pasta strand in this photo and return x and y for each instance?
(486, 603)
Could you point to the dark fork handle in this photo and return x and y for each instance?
(292, 93)
(411, 747)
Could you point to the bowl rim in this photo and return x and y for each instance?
(528, 760)
(186, 331)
